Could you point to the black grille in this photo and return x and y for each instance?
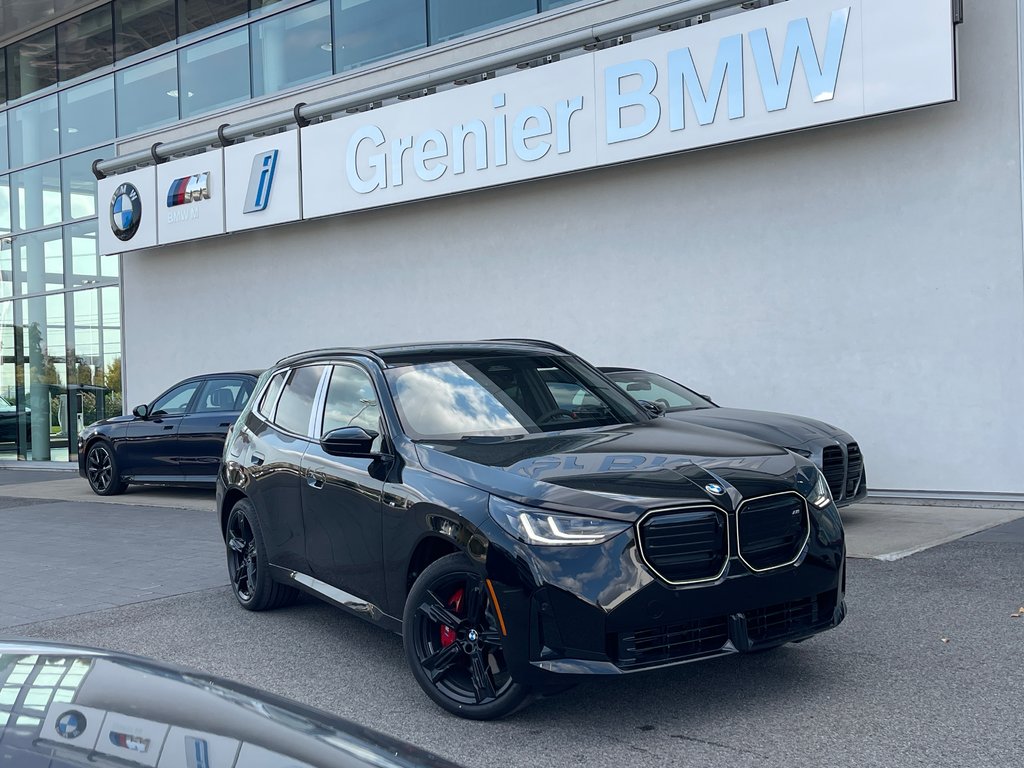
(854, 464)
(686, 545)
(772, 530)
(698, 637)
(834, 468)
(789, 619)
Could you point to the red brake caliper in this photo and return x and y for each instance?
(455, 603)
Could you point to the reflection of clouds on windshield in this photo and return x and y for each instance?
(442, 399)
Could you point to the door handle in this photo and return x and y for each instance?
(256, 459)
(168, 426)
(314, 480)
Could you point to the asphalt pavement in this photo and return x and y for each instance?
(925, 671)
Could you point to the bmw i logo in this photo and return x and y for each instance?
(71, 724)
(125, 212)
(714, 488)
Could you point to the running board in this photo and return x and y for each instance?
(339, 597)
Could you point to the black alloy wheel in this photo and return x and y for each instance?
(251, 581)
(453, 642)
(101, 470)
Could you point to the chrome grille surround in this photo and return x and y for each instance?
(799, 550)
(696, 507)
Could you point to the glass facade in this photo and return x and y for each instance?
(123, 68)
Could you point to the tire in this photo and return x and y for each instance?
(453, 642)
(248, 570)
(101, 470)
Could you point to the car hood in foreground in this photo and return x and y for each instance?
(621, 471)
(779, 428)
(126, 710)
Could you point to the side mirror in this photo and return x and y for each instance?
(354, 442)
(638, 386)
(652, 408)
(141, 411)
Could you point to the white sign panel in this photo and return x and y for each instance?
(190, 197)
(262, 182)
(127, 211)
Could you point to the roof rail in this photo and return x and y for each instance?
(328, 351)
(537, 343)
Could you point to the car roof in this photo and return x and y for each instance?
(395, 354)
(617, 369)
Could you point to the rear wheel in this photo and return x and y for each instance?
(101, 470)
(453, 642)
(251, 581)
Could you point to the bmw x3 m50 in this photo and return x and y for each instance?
(440, 491)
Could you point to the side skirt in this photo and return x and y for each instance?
(338, 597)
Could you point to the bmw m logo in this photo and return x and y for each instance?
(190, 189)
(125, 212)
(71, 724)
(714, 488)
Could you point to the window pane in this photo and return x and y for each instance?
(200, 14)
(82, 260)
(223, 395)
(142, 24)
(39, 262)
(80, 183)
(296, 403)
(351, 401)
(85, 43)
(176, 401)
(226, 55)
(5, 206)
(367, 30)
(31, 64)
(33, 130)
(547, 5)
(147, 95)
(35, 197)
(87, 114)
(3, 76)
(452, 18)
(4, 163)
(291, 48)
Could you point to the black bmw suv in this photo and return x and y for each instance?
(440, 491)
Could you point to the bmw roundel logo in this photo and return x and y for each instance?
(125, 212)
(714, 488)
(71, 724)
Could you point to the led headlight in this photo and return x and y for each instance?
(820, 496)
(535, 526)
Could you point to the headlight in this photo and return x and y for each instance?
(535, 526)
(820, 496)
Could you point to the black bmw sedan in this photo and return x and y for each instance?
(441, 491)
(175, 440)
(834, 450)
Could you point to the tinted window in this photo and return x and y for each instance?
(147, 95)
(291, 48)
(351, 401)
(228, 56)
(142, 24)
(176, 401)
(269, 399)
(367, 30)
(296, 403)
(657, 389)
(87, 114)
(31, 64)
(33, 132)
(227, 394)
(85, 43)
(452, 18)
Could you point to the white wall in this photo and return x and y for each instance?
(868, 274)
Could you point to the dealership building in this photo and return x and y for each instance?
(800, 206)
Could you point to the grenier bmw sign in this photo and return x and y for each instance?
(782, 68)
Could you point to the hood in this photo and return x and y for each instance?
(778, 428)
(112, 421)
(619, 472)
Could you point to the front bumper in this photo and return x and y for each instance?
(600, 609)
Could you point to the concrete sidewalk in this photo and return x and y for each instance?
(876, 530)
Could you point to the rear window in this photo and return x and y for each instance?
(295, 405)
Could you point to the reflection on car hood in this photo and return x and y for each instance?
(778, 428)
(621, 471)
(120, 710)
(113, 420)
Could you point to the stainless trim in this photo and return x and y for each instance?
(316, 416)
(803, 546)
(682, 508)
(339, 596)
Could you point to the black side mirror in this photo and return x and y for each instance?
(652, 408)
(354, 442)
(141, 411)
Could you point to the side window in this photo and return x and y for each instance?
(227, 394)
(351, 401)
(296, 403)
(269, 399)
(176, 401)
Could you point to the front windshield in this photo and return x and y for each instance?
(657, 389)
(504, 395)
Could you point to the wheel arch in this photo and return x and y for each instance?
(231, 497)
(429, 549)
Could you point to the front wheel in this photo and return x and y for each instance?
(453, 642)
(101, 470)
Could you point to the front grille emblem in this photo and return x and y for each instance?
(714, 488)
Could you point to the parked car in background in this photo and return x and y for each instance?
(834, 451)
(9, 419)
(177, 439)
(442, 491)
(65, 706)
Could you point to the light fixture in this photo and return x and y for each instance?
(328, 46)
(173, 93)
